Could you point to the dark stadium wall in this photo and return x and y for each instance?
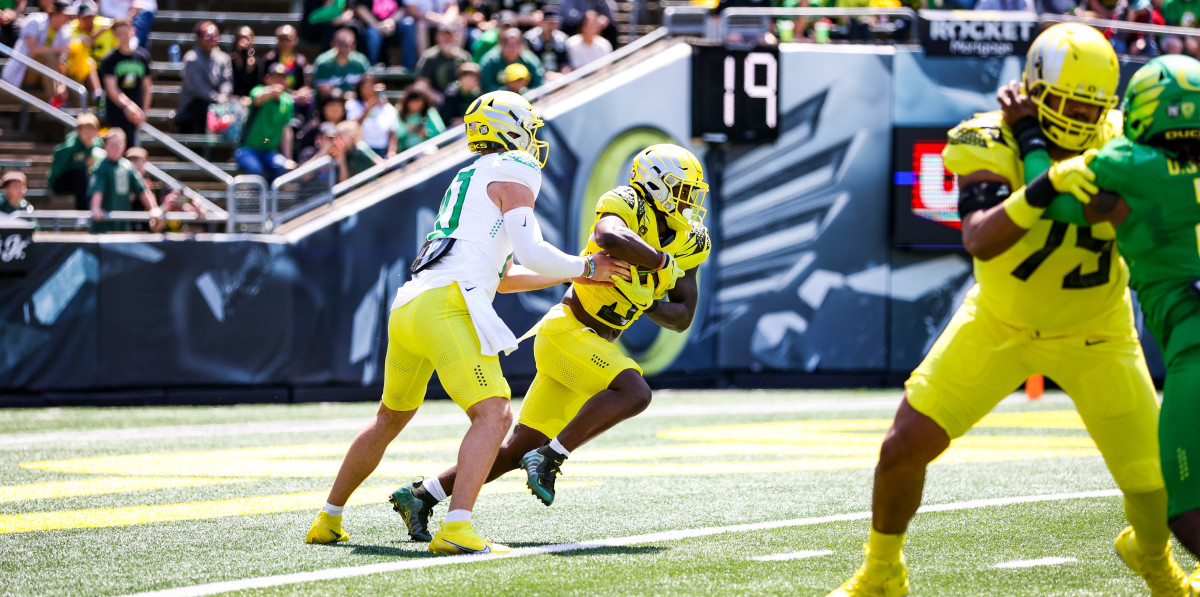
(804, 287)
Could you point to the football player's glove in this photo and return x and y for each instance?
(639, 294)
(1073, 176)
(1072, 62)
(667, 277)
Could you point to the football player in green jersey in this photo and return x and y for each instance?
(1154, 172)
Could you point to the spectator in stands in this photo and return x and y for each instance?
(511, 49)
(477, 16)
(341, 66)
(96, 31)
(342, 143)
(322, 19)
(169, 199)
(1133, 42)
(381, 32)
(294, 63)
(426, 16)
(505, 20)
(247, 68)
(10, 11)
(377, 118)
(267, 140)
(46, 39)
(460, 94)
(1181, 13)
(418, 120)
(587, 45)
(128, 88)
(207, 79)
(1099, 9)
(332, 112)
(80, 66)
(74, 159)
(139, 12)
(14, 186)
(439, 65)
(574, 12)
(549, 42)
(115, 184)
(516, 78)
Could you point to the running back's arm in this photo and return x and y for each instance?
(677, 314)
(613, 235)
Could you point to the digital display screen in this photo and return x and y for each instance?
(735, 93)
(924, 192)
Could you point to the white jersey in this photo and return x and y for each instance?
(481, 247)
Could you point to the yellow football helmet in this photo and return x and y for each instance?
(504, 120)
(673, 179)
(1073, 62)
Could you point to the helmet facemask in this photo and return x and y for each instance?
(685, 199)
(1060, 128)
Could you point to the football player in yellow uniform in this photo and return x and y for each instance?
(584, 383)
(1050, 298)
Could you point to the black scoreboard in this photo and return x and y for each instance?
(735, 93)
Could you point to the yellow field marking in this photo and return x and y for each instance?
(100, 486)
(776, 447)
(134, 515)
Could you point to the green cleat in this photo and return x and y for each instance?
(542, 465)
(414, 510)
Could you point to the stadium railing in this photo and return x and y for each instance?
(214, 212)
(302, 190)
(72, 219)
(73, 86)
(248, 202)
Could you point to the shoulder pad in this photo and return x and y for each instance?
(982, 143)
(697, 248)
(520, 157)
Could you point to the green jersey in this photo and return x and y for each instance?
(118, 182)
(1159, 238)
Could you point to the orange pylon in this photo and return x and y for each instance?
(1034, 386)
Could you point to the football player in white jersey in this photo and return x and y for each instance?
(443, 318)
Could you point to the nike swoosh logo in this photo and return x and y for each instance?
(486, 549)
(524, 221)
(1093, 342)
(470, 289)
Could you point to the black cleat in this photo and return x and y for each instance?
(415, 510)
(542, 466)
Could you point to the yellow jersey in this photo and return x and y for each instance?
(1059, 278)
(689, 245)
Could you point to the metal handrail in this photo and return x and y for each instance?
(449, 135)
(58, 216)
(723, 19)
(214, 211)
(48, 72)
(308, 168)
(231, 190)
(1121, 25)
(182, 151)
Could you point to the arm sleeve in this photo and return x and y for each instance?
(535, 253)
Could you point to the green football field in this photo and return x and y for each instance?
(739, 492)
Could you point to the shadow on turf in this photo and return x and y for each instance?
(418, 550)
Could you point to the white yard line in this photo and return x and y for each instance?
(277, 427)
(1049, 561)
(795, 555)
(421, 563)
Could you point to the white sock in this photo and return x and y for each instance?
(557, 447)
(434, 487)
(332, 510)
(458, 516)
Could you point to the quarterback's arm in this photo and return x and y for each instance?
(613, 235)
(518, 278)
(516, 203)
(987, 229)
(677, 314)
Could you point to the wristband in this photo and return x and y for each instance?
(589, 267)
(665, 258)
(1040, 191)
(652, 308)
(1020, 211)
(1028, 134)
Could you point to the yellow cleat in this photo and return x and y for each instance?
(876, 578)
(460, 538)
(1161, 572)
(326, 529)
